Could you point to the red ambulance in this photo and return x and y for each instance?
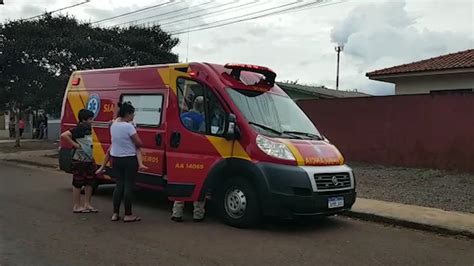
(252, 150)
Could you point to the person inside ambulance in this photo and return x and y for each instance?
(194, 118)
(217, 120)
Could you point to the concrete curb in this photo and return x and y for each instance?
(6, 141)
(45, 165)
(23, 154)
(416, 217)
(35, 158)
(408, 224)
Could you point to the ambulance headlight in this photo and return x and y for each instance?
(275, 149)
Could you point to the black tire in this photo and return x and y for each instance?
(232, 215)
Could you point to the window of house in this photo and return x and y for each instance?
(148, 108)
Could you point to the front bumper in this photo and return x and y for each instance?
(291, 191)
(314, 205)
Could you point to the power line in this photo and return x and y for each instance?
(219, 12)
(162, 14)
(317, 6)
(232, 18)
(245, 15)
(288, 10)
(193, 12)
(167, 13)
(132, 12)
(57, 10)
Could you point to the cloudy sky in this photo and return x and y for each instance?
(297, 43)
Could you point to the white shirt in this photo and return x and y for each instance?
(122, 144)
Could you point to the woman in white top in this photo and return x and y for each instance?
(125, 144)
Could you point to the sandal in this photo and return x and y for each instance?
(81, 210)
(115, 217)
(134, 219)
(92, 209)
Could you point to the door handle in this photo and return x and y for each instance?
(175, 139)
(158, 139)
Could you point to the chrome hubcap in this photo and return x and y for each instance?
(235, 203)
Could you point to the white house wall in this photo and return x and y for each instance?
(425, 84)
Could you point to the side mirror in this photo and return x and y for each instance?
(231, 129)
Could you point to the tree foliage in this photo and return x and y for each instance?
(292, 82)
(37, 57)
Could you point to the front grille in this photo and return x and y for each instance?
(334, 193)
(332, 181)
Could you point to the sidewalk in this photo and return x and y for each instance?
(37, 158)
(417, 217)
(423, 218)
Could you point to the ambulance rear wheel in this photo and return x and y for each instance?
(238, 203)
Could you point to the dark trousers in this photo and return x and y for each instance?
(124, 170)
(41, 133)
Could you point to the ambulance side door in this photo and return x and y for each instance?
(149, 119)
(195, 121)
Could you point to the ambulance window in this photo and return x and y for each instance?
(148, 109)
(216, 115)
(200, 110)
(191, 105)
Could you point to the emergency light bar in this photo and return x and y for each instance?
(269, 74)
(76, 81)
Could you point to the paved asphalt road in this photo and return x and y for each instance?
(37, 227)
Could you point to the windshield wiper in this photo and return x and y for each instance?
(310, 135)
(267, 128)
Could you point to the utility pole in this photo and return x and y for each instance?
(338, 49)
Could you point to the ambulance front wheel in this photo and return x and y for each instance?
(238, 203)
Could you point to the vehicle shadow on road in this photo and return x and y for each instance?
(143, 197)
(158, 201)
(314, 224)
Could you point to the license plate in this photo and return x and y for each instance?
(335, 202)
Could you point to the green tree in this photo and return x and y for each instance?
(292, 82)
(38, 56)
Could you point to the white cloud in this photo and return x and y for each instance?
(374, 16)
(385, 34)
(300, 45)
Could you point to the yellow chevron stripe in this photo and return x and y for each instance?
(224, 147)
(165, 77)
(239, 151)
(169, 75)
(299, 158)
(74, 99)
(341, 157)
(78, 100)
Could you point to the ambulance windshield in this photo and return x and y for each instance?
(274, 114)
